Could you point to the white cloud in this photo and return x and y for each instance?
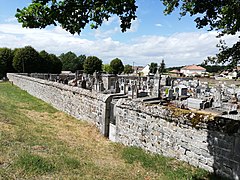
(177, 49)
(158, 25)
(107, 33)
(11, 19)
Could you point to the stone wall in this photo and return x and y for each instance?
(77, 102)
(201, 140)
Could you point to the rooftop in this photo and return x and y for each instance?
(193, 67)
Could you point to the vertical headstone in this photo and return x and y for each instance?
(170, 93)
(133, 90)
(101, 87)
(168, 81)
(83, 84)
(117, 88)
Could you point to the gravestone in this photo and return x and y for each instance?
(195, 103)
(170, 93)
(83, 84)
(117, 88)
(168, 81)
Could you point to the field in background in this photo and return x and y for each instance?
(214, 82)
(39, 142)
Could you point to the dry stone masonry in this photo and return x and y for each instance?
(203, 144)
(202, 140)
(77, 102)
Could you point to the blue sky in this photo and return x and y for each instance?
(152, 37)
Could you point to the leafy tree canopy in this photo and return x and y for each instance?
(214, 68)
(50, 63)
(6, 60)
(74, 15)
(56, 64)
(45, 64)
(128, 69)
(220, 15)
(2, 69)
(26, 60)
(116, 66)
(71, 62)
(92, 64)
(227, 55)
(153, 68)
(81, 60)
(107, 68)
(175, 67)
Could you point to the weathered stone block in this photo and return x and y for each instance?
(237, 146)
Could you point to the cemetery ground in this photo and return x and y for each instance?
(39, 142)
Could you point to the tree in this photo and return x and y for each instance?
(45, 64)
(2, 68)
(67, 61)
(174, 67)
(227, 55)
(107, 68)
(74, 15)
(219, 15)
(50, 63)
(81, 60)
(153, 68)
(213, 68)
(26, 60)
(92, 64)
(116, 66)
(128, 69)
(6, 60)
(56, 64)
(71, 62)
(222, 16)
(162, 67)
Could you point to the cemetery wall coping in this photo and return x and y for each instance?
(85, 92)
(195, 119)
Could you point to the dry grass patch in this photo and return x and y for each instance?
(39, 142)
(83, 147)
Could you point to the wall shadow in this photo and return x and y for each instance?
(224, 147)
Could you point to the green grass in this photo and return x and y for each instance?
(36, 164)
(172, 169)
(39, 142)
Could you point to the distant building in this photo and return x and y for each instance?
(145, 71)
(137, 69)
(192, 70)
(232, 75)
(175, 72)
